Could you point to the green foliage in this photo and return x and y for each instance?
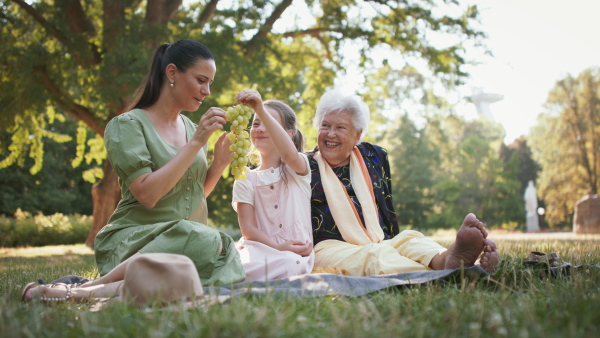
(39, 230)
(57, 187)
(505, 206)
(566, 142)
(528, 167)
(413, 163)
(443, 166)
(470, 178)
(29, 133)
(515, 302)
(96, 153)
(85, 59)
(517, 160)
(449, 168)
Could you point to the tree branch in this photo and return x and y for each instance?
(207, 13)
(113, 12)
(315, 33)
(81, 26)
(252, 45)
(78, 21)
(84, 59)
(40, 19)
(161, 11)
(72, 109)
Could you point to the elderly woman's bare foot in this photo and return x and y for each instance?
(490, 257)
(468, 245)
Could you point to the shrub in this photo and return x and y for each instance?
(39, 230)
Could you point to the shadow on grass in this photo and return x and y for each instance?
(50, 250)
(42, 262)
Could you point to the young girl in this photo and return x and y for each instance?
(273, 204)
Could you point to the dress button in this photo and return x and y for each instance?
(188, 188)
(281, 225)
(189, 177)
(187, 207)
(187, 198)
(276, 206)
(297, 262)
(272, 187)
(272, 170)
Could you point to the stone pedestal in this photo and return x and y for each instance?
(587, 215)
(533, 223)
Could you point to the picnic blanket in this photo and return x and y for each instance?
(326, 284)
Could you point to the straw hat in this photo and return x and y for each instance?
(161, 278)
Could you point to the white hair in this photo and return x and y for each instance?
(334, 101)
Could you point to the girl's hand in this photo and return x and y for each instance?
(251, 98)
(301, 248)
(213, 119)
(222, 154)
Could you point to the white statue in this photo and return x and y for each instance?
(531, 205)
(483, 100)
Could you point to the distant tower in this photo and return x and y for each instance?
(483, 100)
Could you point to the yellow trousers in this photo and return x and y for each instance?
(409, 251)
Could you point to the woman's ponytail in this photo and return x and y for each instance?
(149, 91)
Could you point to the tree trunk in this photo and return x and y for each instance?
(105, 196)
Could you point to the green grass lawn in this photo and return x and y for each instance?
(516, 301)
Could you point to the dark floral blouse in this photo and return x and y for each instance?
(376, 160)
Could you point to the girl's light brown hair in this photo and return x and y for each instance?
(288, 121)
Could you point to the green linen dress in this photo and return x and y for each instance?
(176, 224)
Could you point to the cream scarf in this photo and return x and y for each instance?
(343, 210)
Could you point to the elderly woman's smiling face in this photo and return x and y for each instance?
(337, 136)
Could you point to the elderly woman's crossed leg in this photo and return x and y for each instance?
(471, 241)
(411, 251)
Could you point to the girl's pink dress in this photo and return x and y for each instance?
(282, 208)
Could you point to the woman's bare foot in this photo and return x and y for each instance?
(490, 257)
(468, 245)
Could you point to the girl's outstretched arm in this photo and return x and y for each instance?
(282, 140)
(250, 231)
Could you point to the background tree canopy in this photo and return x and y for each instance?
(566, 143)
(68, 66)
(84, 59)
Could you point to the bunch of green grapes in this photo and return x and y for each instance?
(239, 116)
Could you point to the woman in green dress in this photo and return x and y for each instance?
(160, 158)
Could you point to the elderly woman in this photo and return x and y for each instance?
(354, 222)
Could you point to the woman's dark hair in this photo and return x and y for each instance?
(183, 54)
(288, 121)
